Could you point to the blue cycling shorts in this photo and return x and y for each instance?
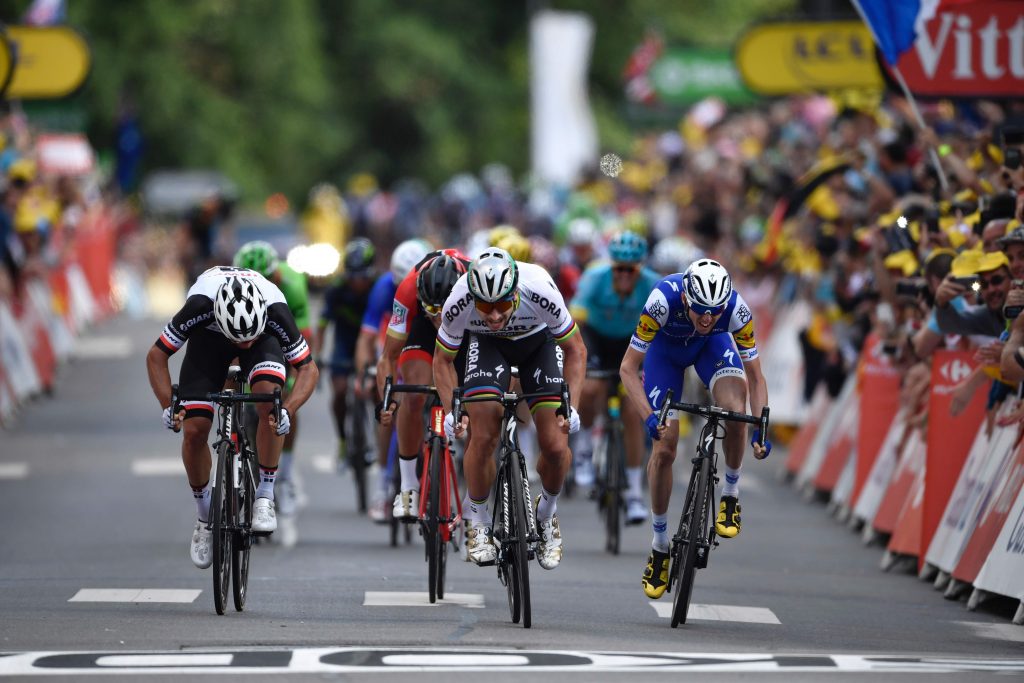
(713, 357)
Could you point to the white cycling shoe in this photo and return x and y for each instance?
(201, 549)
(636, 511)
(407, 505)
(480, 547)
(264, 519)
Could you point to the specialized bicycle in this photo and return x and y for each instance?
(440, 510)
(610, 463)
(695, 536)
(234, 488)
(515, 525)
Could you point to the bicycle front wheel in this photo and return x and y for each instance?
(432, 523)
(613, 489)
(359, 445)
(693, 528)
(243, 537)
(221, 519)
(520, 559)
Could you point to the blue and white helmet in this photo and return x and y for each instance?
(707, 285)
(627, 247)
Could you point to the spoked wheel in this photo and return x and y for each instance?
(432, 523)
(520, 559)
(220, 512)
(692, 530)
(613, 492)
(243, 537)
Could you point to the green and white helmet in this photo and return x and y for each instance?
(493, 275)
(259, 256)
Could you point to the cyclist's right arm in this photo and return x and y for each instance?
(654, 315)
(195, 314)
(449, 337)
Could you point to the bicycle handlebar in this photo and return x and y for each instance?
(391, 388)
(227, 397)
(710, 411)
(507, 399)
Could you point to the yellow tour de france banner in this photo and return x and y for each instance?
(795, 57)
(50, 62)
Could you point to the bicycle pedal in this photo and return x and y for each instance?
(261, 534)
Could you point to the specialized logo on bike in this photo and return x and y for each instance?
(438, 421)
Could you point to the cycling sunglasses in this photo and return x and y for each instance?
(503, 306)
(706, 310)
(431, 311)
(625, 268)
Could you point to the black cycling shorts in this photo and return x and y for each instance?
(604, 353)
(205, 368)
(538, 357)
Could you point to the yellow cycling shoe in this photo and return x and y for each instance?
(728, 523)
(655, 581)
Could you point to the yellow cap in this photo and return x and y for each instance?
(939, 252)
(992, 261)
(903, 260)
(966, 264)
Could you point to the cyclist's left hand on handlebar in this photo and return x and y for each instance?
(173, 422)
(654, 429)
(760, 453)
(572, 425)
(452, 430)
(286, 423)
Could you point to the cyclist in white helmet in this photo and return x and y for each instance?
(231, 312)
(512, 314)
(693, 318)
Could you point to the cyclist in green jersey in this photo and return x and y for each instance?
(262, 257)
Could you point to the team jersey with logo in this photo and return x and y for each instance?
(197, 313)
(539, 306)
(296, 294)
(599, 307)
(407, 303)
(665, 315)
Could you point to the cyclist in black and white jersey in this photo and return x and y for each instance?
(228, 313)
(513, 315)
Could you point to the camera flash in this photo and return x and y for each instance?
(902, 221)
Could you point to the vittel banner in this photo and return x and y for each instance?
(969, 50)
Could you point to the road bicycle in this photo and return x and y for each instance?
(695, 536)
(234, 487)
(440, 509)
(610, 463)
(515, 524)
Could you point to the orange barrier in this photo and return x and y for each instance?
(36, 336)
(906, 537)
(805, 436)
(841, 446)
(879, 402)
(949, 438)
(901, 486)
(95, 250)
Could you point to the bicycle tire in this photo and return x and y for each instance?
(357, 452)
(613, 488)
(520, 550)
(695, 520)
(243, 537)
(503, 531)
(432, 523)
(220, 512)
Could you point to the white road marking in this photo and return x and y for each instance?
(157, 467)
(399, 599)
(745, 615)
(468, 659)
(13, 470)
(142, 661)
(103, 347)
(985, 629)
(135, 595)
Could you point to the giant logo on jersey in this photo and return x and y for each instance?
(647, 327)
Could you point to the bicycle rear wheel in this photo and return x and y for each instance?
(693, 526)
(243, 537)
(432, 523)
(221, 519)
(613, 490)
(520, 559)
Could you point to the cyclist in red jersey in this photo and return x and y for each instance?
(410, 343)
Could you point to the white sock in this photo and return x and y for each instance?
(548, 504)
(732, 482)
(268, 475)
(633, 475)
(408, 470)
(660, 525)
(202, 498)
(476, 510)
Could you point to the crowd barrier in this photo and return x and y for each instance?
(39, 324)
(946, 493)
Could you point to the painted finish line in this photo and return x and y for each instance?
(347, 660)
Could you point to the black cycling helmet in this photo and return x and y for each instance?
(435, 280)
(359, 256)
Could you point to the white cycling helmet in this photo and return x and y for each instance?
(706, 285)
(674, 255)
(581, 231)
(240, 309)
(405, 256)
(493, 275)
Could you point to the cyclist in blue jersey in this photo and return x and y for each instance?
(369, 346)
(693, 318)
(608, 301)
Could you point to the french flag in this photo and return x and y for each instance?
(45, 13)
(896, 23)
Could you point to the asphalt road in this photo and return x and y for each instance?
(95, 575)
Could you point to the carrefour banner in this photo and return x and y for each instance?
(796, 57)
